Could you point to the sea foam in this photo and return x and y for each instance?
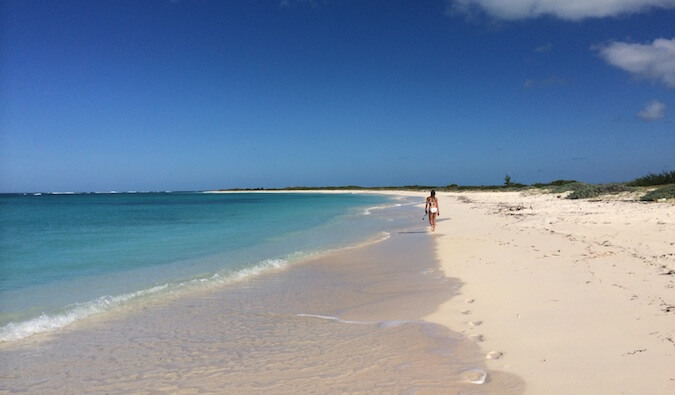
(49, 322)
(14, 331)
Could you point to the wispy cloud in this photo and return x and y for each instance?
(564, 9)
(653, 111)
(654, 61)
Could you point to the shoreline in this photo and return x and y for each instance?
(176, 275)
(547, 295)
(348, 321)
(573, 296)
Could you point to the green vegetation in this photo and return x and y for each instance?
(579, 190)
(556, 184)
(507, 181)
(461, 188)
(667, 192)
(587, 191)
(651, 179)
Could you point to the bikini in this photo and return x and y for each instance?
(433, 210)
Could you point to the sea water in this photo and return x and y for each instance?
(65, 257)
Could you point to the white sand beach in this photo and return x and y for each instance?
(551, 295)
(573, 296)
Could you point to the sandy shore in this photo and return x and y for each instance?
(553, 295)
(572, 296)
(575, 297)
(347, 321)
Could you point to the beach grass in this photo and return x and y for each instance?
(581, 190)
(666, 192)
(651, 179)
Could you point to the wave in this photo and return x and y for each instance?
(47, 323)
(405, 201)
(368, 210)
(379, 324)
(336, 319)
(44, 323)
(15, 331)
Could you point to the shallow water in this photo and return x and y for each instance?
(345, 322)
(67, 257)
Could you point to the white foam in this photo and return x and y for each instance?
(369, 209)
(76, 312)
(47, 323)
(14, 331)
(380, 324)
(243, 274)
(336, 319)
(394, 323)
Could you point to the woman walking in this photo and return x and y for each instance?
(431, 208)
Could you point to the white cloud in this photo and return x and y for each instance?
(564, 9)
(653, 111)
(654, 61)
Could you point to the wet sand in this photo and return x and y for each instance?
(349, 321)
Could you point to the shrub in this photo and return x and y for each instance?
(654, 179)
(586, 191)
(667, 192)
(572, 186)
(558, 183)
(613, 188)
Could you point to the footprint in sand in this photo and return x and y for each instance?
(465, 312)
(475, 376)
(494, 355)
(475, 323)
(476, 337)
(469, 300)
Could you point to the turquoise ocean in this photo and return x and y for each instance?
(65, 257)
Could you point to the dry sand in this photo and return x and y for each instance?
(572, 296)
(575, 297)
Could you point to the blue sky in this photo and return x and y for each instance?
(205, 94)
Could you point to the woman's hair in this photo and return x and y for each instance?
(433, 193)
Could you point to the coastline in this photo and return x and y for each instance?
(573, 296)
(349, 320)
(103, 252)
(544, 294)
